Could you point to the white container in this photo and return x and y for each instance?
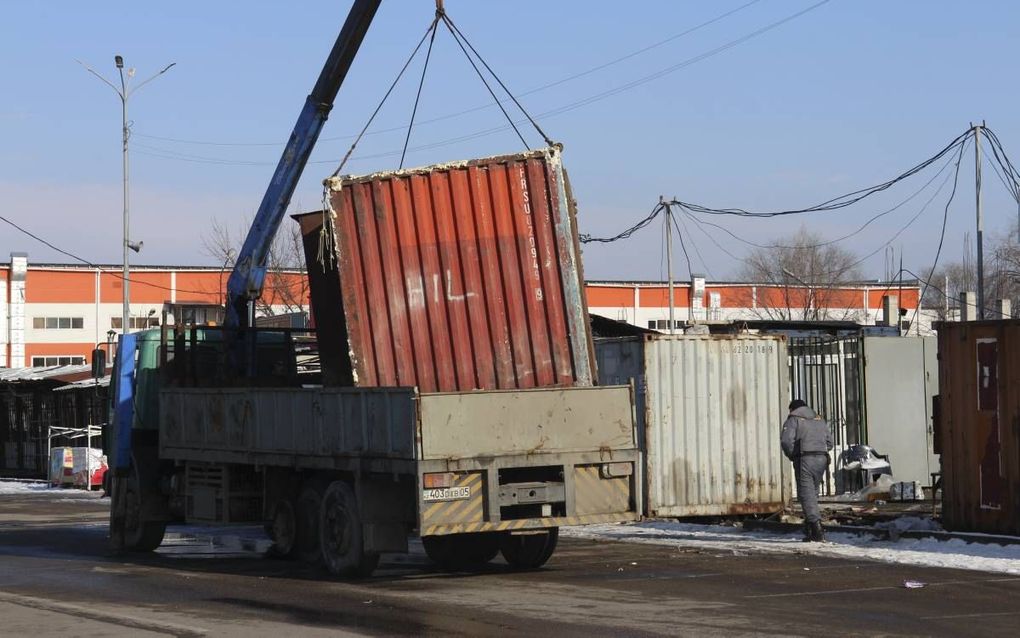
(709, 413)
(68, 466)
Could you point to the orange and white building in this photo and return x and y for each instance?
(56, 314)
(646, 303)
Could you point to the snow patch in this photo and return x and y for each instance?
(955, 553)
(24, 487)
(9, 487)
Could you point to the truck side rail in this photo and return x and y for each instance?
(300, 427)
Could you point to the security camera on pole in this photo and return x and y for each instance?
(125, 92)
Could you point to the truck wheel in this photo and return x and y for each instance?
(458, 552)
(307, 522)
(529, 551)
(341, 535)
(139, 535)
(282, 529)
(128, 532)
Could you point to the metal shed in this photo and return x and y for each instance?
(977, 415)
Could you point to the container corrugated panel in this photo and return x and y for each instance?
(710, 409)
(322, 422)
(451, 277)
(977, 433)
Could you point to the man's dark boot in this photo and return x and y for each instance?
(817, 533)
(808, 532)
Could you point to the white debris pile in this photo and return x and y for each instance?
(956, 553)
(910, 524)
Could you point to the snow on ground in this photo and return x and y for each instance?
(956, 554)
(37, 487)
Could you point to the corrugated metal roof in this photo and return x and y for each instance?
(104, 382)
(14, 375)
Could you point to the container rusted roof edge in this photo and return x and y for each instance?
(336, 183)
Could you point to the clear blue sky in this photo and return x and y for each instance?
(844, 96)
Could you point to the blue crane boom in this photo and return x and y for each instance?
(248, 276)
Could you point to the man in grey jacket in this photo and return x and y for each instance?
(806, 440)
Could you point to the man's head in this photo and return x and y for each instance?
(797, 403)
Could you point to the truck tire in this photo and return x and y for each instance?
(307, 521)
(459, 552)
(140, 536)
(529, 551)
(128, 532)
(282, 529)
(341, 535)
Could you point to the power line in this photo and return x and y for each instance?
(838, 239)
(482, 107)
(841, 201)
(861, 260)
(712, 239)
(99, 268)
(697, 251)
(942, 237)
(608, 93)
(586, 238)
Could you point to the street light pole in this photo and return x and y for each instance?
(125, 316)
(125, 92)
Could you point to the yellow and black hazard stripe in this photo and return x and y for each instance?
(596, 495)
(460, 511)
(527, 523)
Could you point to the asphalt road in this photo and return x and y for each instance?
(57, 577)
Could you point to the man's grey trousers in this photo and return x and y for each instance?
(809, 470)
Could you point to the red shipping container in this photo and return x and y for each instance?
(451, 277)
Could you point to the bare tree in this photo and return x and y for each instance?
(286, 257)
(806, 277)
(1002, 278)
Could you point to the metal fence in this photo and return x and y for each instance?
(827, 373)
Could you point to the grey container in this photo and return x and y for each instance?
(709, 412)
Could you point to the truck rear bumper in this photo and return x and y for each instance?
(525, 492)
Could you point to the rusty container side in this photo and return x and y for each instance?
(452, 277)
(979, 425)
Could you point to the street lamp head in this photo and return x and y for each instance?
(119, 61)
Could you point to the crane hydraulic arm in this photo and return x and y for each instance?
(248, 276)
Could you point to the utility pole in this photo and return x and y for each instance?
(945, 297)
(125, 92)
(669, 260)
(980, 222)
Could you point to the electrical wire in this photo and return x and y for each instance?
(838, 239)
(697, 251)
(712, 239)
(585, 238)
(995, 167)
(859, 261)
(942, 237)
(841, 201)
(999, 153)
(482, 107)
(597, 97)
(100, 268)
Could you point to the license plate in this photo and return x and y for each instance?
(447, 494)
